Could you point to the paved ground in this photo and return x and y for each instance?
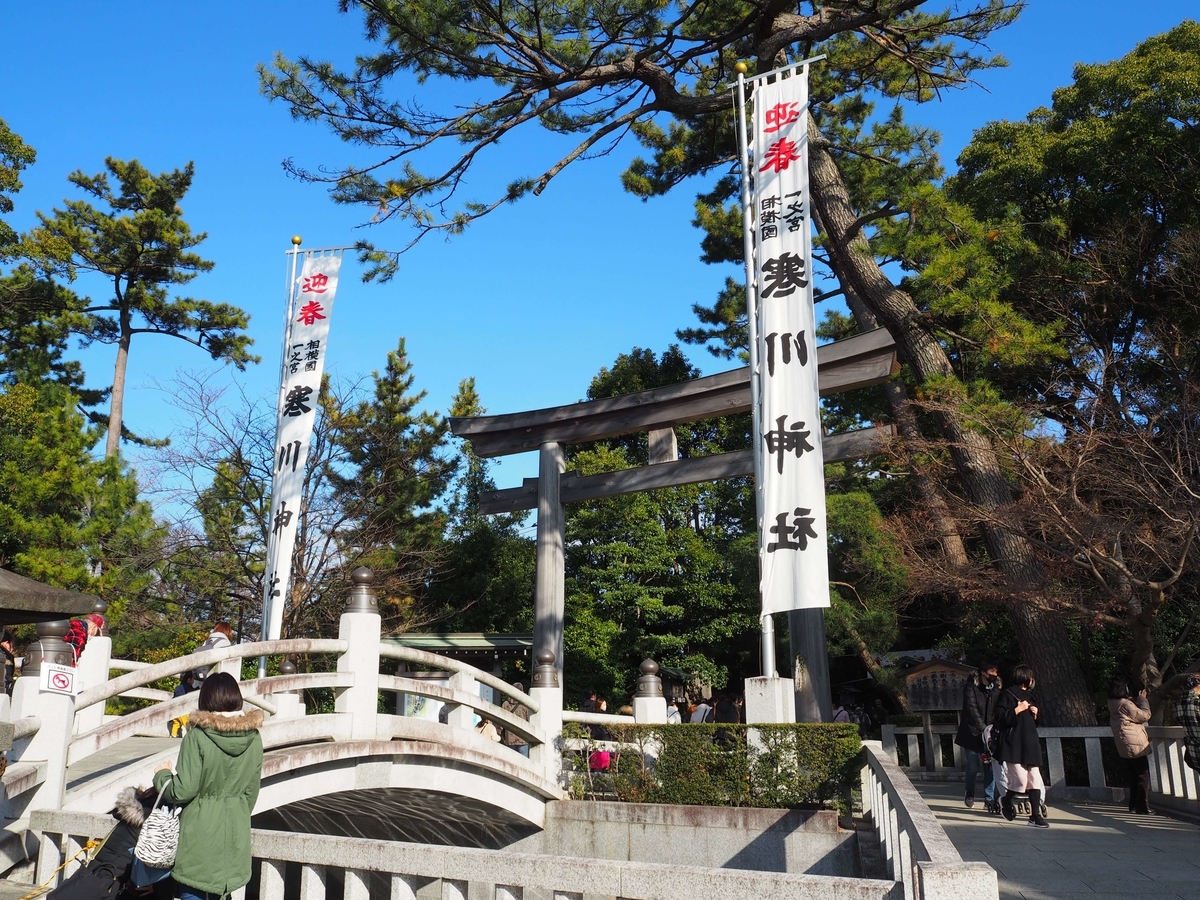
(1097, 852)
(116, 757)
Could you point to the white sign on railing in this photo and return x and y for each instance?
(59, 679)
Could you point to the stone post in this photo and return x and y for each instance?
(649, 704)
(360, 629)
(770, 699)
(548, 720)
(941, 881)
(57, 714)
(462, 716)
(288, 704)
(93, 671)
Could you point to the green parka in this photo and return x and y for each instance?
(216, 781)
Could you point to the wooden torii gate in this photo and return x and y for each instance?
(860, 361)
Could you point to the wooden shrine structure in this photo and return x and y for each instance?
(863, 360)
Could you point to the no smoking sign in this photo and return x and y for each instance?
(59, 679)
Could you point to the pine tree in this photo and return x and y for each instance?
(395, 470)
(140, 244)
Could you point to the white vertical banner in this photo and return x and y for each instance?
(793, 556)
(307, 335)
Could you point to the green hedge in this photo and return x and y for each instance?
(786, 766)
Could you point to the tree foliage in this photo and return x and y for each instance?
(594, 73)
(138, 242)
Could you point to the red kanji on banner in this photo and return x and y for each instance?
(781, 114)
(780, 155)
(310, 312)
(315, 284)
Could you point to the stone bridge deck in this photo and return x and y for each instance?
(1090, 852)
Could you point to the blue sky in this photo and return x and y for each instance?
(532, 301)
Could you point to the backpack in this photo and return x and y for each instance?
(202, 672)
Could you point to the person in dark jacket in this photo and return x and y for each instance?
(108, 874)
(980, 693)
(10, 661)
(1016, 717)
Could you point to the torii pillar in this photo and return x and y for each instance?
(549, 592)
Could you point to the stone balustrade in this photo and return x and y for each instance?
(356, 869)
(912, 842)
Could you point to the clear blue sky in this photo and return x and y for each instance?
(532, 301)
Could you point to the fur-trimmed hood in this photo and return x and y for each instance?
(129, 808)
(250, 720)
(233, 735)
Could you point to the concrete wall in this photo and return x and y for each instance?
(767, 840)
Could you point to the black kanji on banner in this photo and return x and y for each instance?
(784, 440)
(786, 342)
(794, 536)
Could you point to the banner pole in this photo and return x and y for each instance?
(288, 307)
(767, 639)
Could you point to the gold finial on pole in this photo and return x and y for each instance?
(296, 240)
(741, 68)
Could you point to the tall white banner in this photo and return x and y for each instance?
(793, 557)
(303, 363)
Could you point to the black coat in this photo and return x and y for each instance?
(107, 875)
(979, 703)
(1018, 733)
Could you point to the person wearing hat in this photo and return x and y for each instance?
(81, 630)
(1187, 713)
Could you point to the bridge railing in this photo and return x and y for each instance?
(1092, 736)
(75, 728)
(1174, 784)
(912, 842)
(357, 869)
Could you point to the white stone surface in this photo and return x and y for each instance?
(650, 710)
(361, 632)
(770, 699)
(92, 669)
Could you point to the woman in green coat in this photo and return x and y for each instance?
(216, 781)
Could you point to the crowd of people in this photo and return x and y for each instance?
(999, 735)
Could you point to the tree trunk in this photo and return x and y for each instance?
(117, 401)
(944, 526)
(1044, 641)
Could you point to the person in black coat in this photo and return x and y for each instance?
(107, 876)
(1016, 717)
(980, 693)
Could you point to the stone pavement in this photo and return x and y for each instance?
(1089, 852)
(116, 757)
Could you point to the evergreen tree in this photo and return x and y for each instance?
(395, 470)
(65, 518)
(487, 569)
(15, 157)
(141, 245)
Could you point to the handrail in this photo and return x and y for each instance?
(591, 718)
(924, 830)
(425, 658)
(142, 677)
(915, 847)
(128, 665)
(26, 727)
(498, 714)
(89, 742)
